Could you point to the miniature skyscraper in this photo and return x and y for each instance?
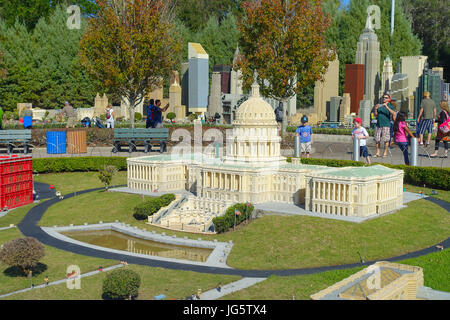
(368, 54)
(198, 78)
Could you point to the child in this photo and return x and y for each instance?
(400, 138)
(305, 133)
(360, 133)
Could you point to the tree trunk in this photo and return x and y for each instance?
(131, 101)
(285, 120)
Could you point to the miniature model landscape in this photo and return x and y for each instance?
(118, 197)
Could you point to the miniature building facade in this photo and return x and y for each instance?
(253, 170)
(380, 281)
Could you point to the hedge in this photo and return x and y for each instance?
(77, 164)
(144, 210)
(431, 177)
(226, 221)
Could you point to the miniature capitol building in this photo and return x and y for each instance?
(254, 171)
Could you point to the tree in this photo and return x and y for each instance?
(130, 46)
(284, 40)
(429, 21)
(171, 116)
(121, 284)
(23, 252)
(106, 174)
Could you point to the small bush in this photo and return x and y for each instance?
(225, 222)
(171, 115)
(106, 174)
(192, 117)
(23, 252)
(121, 284)
(144, 210)
(137, 116)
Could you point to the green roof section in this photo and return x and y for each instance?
(359, 172)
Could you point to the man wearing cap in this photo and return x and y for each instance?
(70, 114)
(427, 114)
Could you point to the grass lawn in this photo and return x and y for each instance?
(174, 284)
(16, 215)
(279, 242)
(442, 194)
(69, 182)
(54, 264)
(435, 270)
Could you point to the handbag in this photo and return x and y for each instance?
(444, 128)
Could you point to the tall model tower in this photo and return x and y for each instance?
(368, 54)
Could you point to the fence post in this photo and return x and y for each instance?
(355, 149)
(414, 152)
(297, 147)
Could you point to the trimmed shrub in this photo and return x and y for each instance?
(431, 177)
(121, 284)
(192, 117)
(106, 174)
(143, 210)
(24, 253)
(227, 221)
(77, 164)
(171, 115)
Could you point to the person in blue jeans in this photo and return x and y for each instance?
(401, 131)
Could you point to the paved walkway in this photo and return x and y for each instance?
(325, 149)
(29, 227)
(230, 288)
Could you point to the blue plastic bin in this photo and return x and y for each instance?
(56, 142)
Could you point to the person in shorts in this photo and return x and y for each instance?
(360, 133)
(382, 133)
(304, 131)
(426, 117)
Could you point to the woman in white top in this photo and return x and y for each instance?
(109, 117)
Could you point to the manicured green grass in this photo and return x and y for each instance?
(174, 284)
(442, 194)
(54, 264)
(16, 215)
(279, 242)
(434, 265)
(69, 182)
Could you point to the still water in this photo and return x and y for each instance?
(120, 241)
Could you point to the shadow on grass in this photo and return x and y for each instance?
(16, 271)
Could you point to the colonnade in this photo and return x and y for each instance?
(331, 191)
(222, 181)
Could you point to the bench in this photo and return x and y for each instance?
(11, 138)
(149, 136)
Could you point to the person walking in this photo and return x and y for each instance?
(360, 133)
(68, 112)
(28, 117)
(1, 118)
(149, 121)
(444, 115)
(383, 113)
(401, 131)
(158, 113)
(426, 117)
(304, 131)
(109, 116)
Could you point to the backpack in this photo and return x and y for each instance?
(108, 114)
(444, 128)
(152, 113)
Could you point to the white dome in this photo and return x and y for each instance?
(255, 111)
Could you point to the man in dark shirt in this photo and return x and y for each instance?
(382, 132)
(149, 122)
(157, 114)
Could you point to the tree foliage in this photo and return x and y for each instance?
(130, 46)
(23, 252)
(121, 284)
(106, 174)
(284, 40)
(429, 21)
(42, 65)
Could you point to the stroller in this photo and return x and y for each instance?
(98, 123)
(86, 122)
